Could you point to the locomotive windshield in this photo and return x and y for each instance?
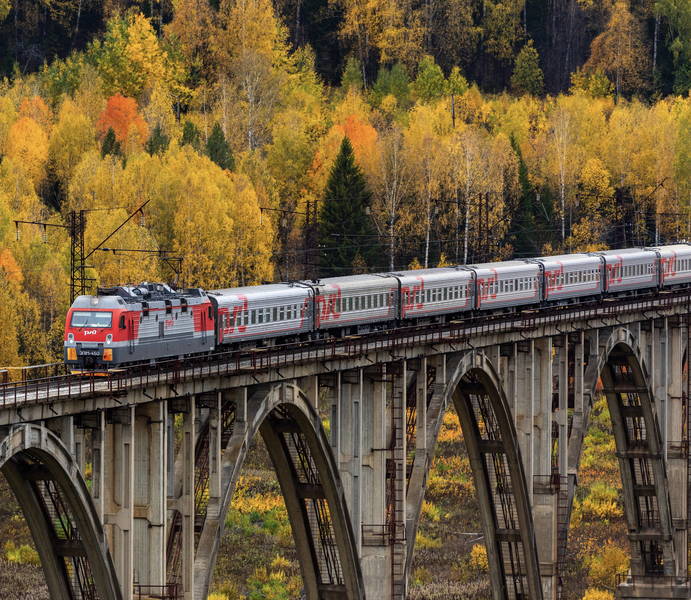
(92, 318)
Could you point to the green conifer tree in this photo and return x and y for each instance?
(527, 75)
(110, 144)
(157, 142)
(347, 236)
(191, 135)
(218, 150)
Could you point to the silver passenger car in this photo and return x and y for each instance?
(630, 269)
(262, 311)
(571, 276)
(505, 284)
(431, 292)
(355, 300)
(675, 264)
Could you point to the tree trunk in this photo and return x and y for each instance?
(391, 241)
(79, 14)
(562, 202)
(465, 232)
(427, 232)
(655, 36)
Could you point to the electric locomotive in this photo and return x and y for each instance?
(124, 325)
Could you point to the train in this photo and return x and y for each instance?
(128, 325)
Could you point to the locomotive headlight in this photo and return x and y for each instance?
(109, 338)
(70, 338)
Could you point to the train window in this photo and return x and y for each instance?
(281, 313)
(260, 316)
(122, 321)
(169, 307)
(183, 305)
(145, 309)
(210, 313)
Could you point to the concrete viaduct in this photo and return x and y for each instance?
(125, 481)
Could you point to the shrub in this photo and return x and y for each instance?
(478, 558)
(601, 503)
(604, 566)
(423, 541)
(421, 576)
(595, 594)
(431, 511)
(23, 555)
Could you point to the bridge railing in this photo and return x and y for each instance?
(664, 580)
(233, 362)
(170, 591)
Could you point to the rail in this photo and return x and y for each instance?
(254, 361)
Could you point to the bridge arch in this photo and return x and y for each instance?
(58, 508)
(311, 488)
(475, 389)
(625, 383)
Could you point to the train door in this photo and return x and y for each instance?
(203, 323)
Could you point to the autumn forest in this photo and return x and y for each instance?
(456, 131)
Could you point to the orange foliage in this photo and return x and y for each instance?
(121, 114)
(10, 267)
(363, 138)
(36, 109)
